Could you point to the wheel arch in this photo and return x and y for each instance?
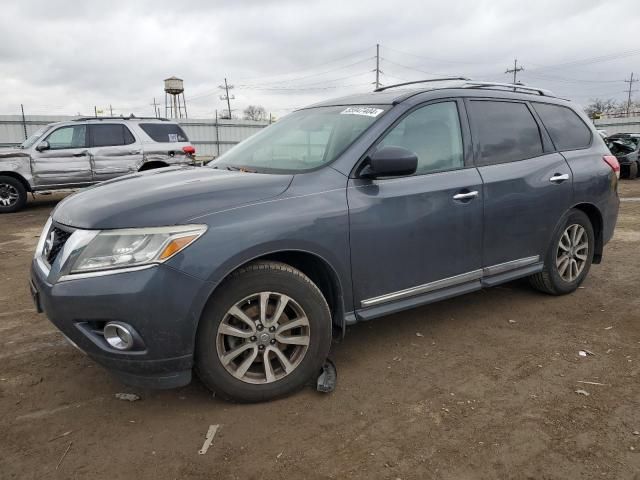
(18, 177)
(595, 217)
(152, 165)
(314, 266)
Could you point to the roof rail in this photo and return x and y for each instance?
(121, 117)
(509, 86)
(443, 79)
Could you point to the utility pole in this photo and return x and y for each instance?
(24, 122)
(377, 69)
(226, 96)
(110, 110)
(156, 108)
(95, 111)
(515, 71)
(631, 81)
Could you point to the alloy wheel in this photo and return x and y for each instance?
(8, 195)
(263, 338)
(573, 249)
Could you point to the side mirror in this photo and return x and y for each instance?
(390, 161)
(43, 146)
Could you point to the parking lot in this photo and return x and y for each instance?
(480, 386)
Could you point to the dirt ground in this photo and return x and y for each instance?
(481, 386)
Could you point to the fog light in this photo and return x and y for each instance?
(118, 336)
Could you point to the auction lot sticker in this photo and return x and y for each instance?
(367, 111)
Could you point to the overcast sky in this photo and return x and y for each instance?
(64, 57)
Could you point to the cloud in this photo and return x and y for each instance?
(67, 56)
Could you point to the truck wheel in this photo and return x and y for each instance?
(265, 333)
(569, 257)
(13, 195)
(632, 170)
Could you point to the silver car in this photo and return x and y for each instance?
(79, 153)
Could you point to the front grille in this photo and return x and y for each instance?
(56, 238)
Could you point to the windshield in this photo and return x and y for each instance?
(33, 138)
(303, 140)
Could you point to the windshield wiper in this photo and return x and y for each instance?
(239, 169)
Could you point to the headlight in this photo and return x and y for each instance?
(133, 247)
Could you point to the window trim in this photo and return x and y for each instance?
(545, 141)
(555, 147)
(91, 131)
(465, 133)
(46, 138)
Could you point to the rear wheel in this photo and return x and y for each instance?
(632, 170)
(13, 195)
(569, 257)
(265, 333)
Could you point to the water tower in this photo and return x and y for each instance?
(173, 106)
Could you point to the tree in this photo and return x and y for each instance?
(599, 106)
(255, 112)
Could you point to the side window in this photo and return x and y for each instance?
(566, 128)
(433, 134)
(110, 135)
(73, 136)
(506, 131)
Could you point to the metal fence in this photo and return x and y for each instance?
(618, 125)
(210, 137)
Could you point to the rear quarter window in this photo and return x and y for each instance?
(565, 127)
(164, 132)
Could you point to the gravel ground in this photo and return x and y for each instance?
(481, 386)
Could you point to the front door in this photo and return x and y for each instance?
(527, 186)
(66, 162)
(114, 150)
(421, 233)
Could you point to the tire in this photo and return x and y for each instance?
(632, 170)
(555, 279)
(232, 323)
(13, 195)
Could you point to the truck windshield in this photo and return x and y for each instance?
(33, 138)
(304, 140)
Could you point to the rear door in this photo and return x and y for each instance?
(421, 233)
(114, 150)
(527, 186)
(66, 161)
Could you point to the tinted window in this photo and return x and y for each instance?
(164, 132)
(506, 131)
(433, 134)
(565, 127)
(73, 136)
(110, 135)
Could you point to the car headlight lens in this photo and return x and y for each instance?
(133, 247)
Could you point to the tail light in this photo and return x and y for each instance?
(190, 150)
(613, 163)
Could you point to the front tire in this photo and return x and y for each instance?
(569, 256)
(264, 334)
(13, 195)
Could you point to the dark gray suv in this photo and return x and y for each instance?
(345, 211)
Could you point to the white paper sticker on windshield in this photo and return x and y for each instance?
(173, 137)
(368, 111)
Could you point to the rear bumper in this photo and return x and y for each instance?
(160, 303)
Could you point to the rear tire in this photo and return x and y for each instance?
(274, 358)
(632, 170)
(13, 195)
(568, 259)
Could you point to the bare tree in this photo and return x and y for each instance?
(599, 106)
(255, 112)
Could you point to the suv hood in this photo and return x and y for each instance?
(166, 196)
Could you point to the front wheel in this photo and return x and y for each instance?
(569, 257)
(265, 333)
(13, 195)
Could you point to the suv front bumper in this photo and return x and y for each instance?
(159, 302)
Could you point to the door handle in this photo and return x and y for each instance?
(134, 152)
(466, 196)
(559, 178)
(81, 154)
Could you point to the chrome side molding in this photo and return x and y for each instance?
(452, 281)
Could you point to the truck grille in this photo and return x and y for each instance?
(56, 238)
